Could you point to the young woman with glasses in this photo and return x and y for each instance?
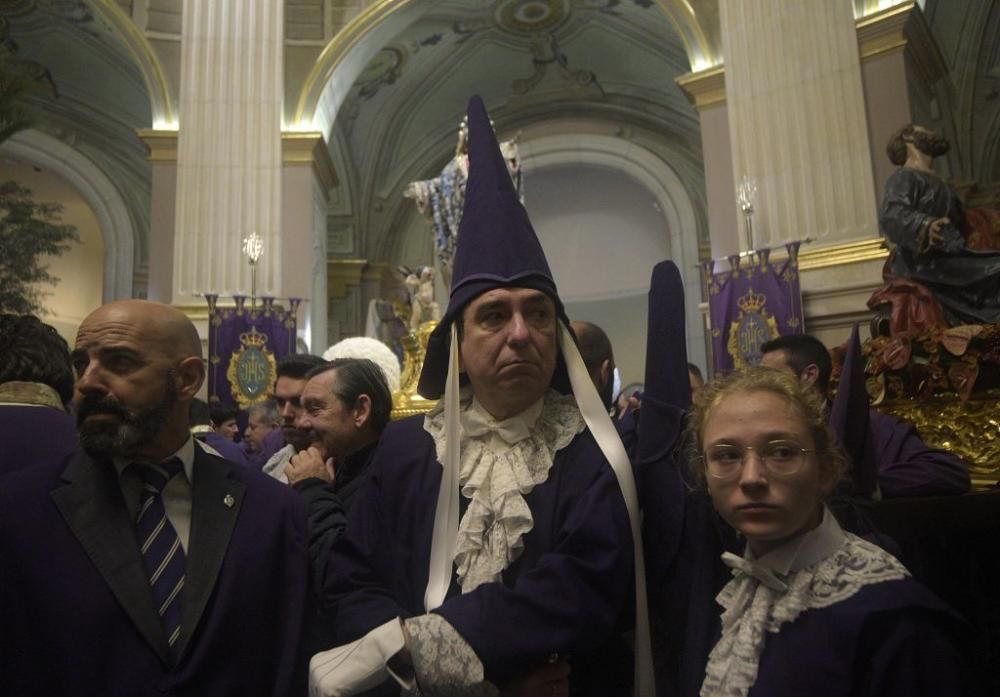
(811, 609)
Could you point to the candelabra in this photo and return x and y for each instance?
(253, 246)
(746, 197)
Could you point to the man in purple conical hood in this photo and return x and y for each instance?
(493, 547)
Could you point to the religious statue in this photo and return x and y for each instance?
(441, 199)
(937, 255)
(423, 308)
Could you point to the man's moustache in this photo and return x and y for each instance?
(99, 405)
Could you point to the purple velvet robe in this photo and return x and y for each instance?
(570, 592)
(909, 467)
(33, 435)
(230, 450)
(890, 638)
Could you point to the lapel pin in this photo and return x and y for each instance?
(229, 501)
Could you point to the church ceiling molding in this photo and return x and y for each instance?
(346, 57)
(164, 117)
(349, 54)
(99, 30)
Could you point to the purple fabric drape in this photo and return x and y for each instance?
(262, 333)
(752, 302)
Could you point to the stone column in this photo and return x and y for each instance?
(797, 118)
(162, 147)
(307, 180)
(229, 149)
(347, 316)
(706, 90)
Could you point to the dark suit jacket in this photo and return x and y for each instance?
(76, 611)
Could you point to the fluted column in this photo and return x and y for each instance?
(229, 150)
(797, 118)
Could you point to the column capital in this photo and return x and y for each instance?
(343, 274)
(376, 270)
(704, 88)
(898, 28)
(299, 149)
(161, 146)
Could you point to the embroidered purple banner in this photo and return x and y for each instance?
(244, 345)
(752, 302)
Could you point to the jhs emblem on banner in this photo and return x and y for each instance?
(751, 329)
(737, 296)
(252, 369)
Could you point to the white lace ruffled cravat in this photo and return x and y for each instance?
(501, 461)
(816, 570)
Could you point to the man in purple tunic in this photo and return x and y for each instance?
(528, 574)
(905, 465)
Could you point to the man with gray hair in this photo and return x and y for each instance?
(262, 421)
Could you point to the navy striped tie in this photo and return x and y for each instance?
(162, 554)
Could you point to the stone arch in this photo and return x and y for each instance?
(661, 180)
(101, 195)
(145, 59)
(343, 59)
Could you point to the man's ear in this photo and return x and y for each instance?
(189, 376)
(604, 372)
(362, 411)
(810, 374)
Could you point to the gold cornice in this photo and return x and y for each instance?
(161, 145)
(902, 27)
(842, 254)
(343, 274)
(687, 22)
(375, 270)
(309, 149)
(705, 87)
(883, 31)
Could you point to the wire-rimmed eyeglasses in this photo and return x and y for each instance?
(780, 457)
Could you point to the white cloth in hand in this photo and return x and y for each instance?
(356, 667)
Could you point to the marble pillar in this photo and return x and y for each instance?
(706, 90)
(308, 178)
(796, 109)
(347, 310)
(229, 157)
(162, 147)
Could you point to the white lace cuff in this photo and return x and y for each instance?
(444, 663)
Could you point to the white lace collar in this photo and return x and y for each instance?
(500, 463)
(815, 570)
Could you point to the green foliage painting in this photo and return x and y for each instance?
(28, 230)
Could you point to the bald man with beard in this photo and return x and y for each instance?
(146, 565)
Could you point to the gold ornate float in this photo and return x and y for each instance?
(406, 402)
